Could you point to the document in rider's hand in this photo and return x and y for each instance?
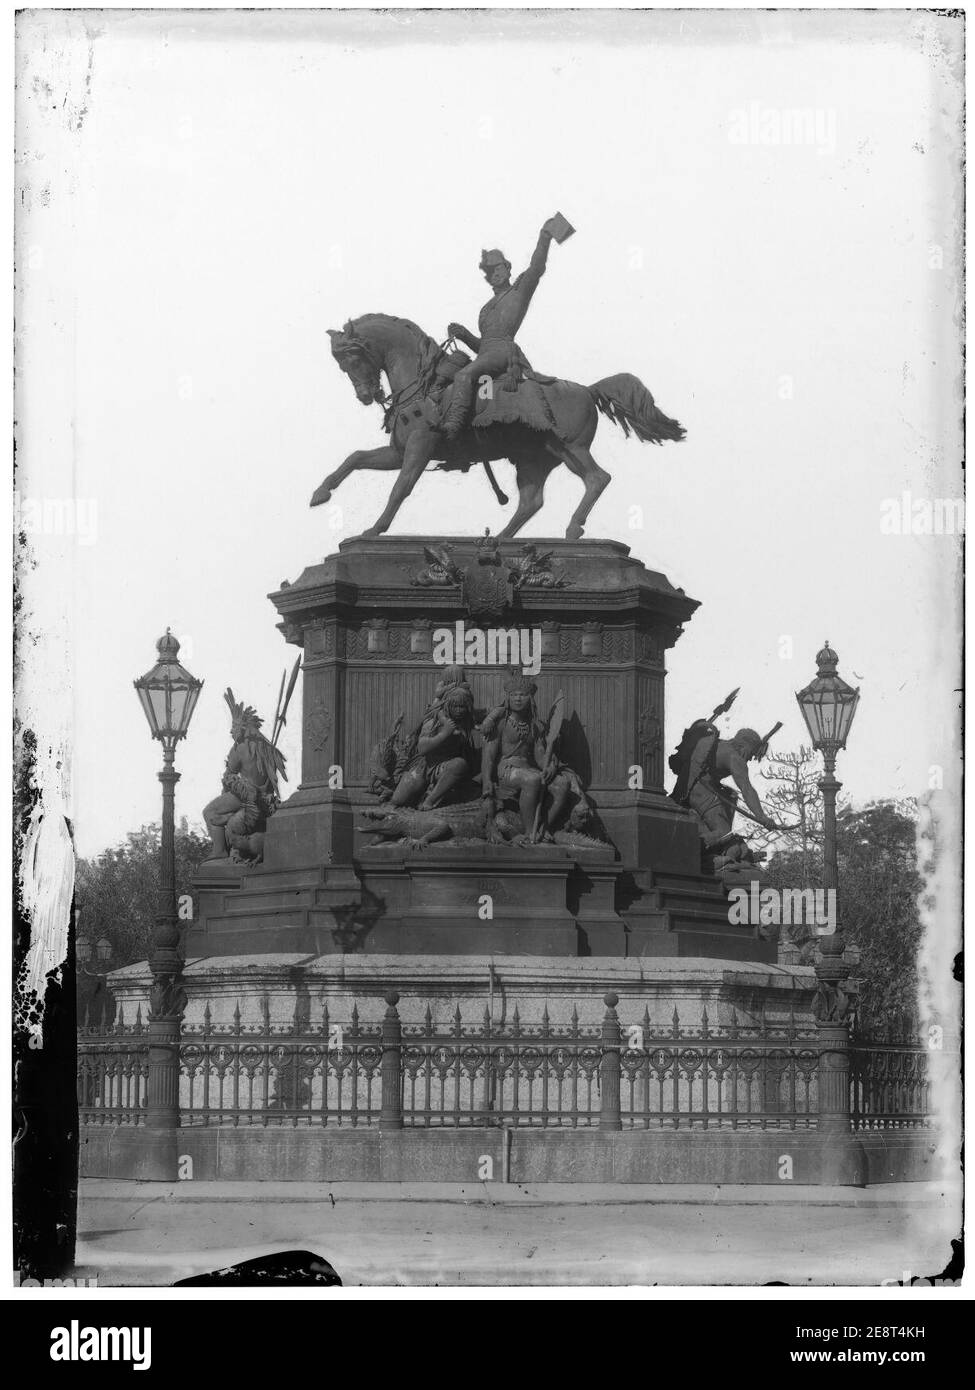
(560, 228)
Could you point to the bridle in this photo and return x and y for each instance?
(403, 395)
(419, 386)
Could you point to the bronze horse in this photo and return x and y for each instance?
(379, 343)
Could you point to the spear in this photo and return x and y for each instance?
(282, 718)
(725, 706)
(277, 707)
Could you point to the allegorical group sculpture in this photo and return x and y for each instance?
(444, 405)
(500, 779)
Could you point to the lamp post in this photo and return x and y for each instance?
(828, 705)
(96, 1007)
(168, 695)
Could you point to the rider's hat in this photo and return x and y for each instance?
(492, 258)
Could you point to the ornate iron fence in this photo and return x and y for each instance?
(113, 1073)
(889, 1085)
(609, 1076)
(458, 1075)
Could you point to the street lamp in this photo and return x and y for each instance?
(828, 705)
(168, 695)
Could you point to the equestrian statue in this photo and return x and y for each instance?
(444, 406)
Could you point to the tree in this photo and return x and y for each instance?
(879, 895)
(116, 892)
(792, 797)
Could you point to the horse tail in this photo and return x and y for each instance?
(625, 400)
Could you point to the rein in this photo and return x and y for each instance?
(417, 387)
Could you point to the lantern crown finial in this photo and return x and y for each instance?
(167, 646)
(827, 660)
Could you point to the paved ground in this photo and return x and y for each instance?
(492, 1234)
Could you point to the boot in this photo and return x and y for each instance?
(458, 410)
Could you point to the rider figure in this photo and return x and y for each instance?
(498, 321)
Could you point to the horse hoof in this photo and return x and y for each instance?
(320, 495)
(574, 533)
(372, 531)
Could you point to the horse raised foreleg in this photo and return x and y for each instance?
(384, 458)
(416, 455)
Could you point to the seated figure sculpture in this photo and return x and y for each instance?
(520, 761)
(433, 763)
(444, 757)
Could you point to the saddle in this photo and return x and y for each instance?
(519, 397)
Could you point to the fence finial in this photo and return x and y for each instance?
(391, 1079)
(609, 1066)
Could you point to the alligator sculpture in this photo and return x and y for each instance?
(469, 820)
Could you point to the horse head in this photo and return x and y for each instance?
(360, 362)
(376, 343)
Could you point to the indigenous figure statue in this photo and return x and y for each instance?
(520, 762)
(237, 818)
(702, 762)
(432, 765)
(534, 421)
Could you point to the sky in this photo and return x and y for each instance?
(200, 196)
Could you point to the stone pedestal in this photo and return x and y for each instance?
(365, 620)
(284, 986)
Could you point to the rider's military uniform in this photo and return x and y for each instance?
(498, 322)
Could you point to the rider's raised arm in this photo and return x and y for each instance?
(536, 266)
